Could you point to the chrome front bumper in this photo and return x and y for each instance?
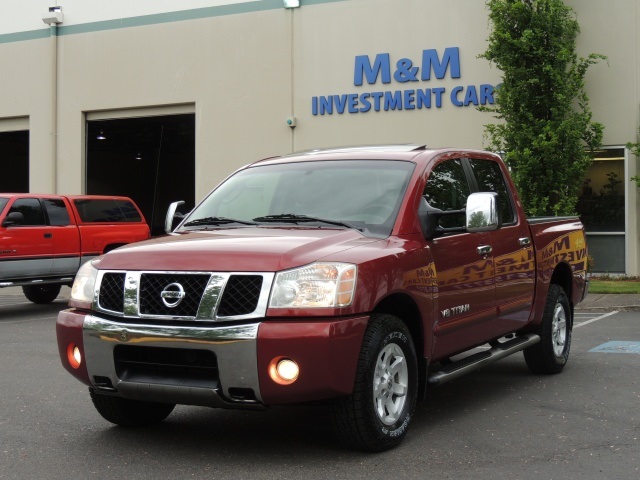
(234, 349)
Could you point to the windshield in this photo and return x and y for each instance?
(364, 194)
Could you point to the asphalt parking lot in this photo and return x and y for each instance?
(498, 422)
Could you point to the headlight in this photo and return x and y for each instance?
(84, 284)
(317, 285)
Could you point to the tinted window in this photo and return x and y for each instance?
(106, 210)
(3, 202)
(57, 211)
(447, 189)
(129, 211)
(30, 209)
(490, 179)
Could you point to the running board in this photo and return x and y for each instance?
(478, 360)
(38, 281)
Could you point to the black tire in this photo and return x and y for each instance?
(363, 420)
(551, 354)
(41, 294)
(130, 413)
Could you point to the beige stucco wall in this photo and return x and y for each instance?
(327, 39)
(237, 72)
(225, 67)
(27, 95)
(611, 29)
(243, 74)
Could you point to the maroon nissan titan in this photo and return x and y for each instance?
(359, 277)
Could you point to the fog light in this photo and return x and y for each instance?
(283, 371)
(74, 356)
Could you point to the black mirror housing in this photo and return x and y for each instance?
(14, 218)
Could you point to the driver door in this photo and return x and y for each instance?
(464, 265)
(27, 247)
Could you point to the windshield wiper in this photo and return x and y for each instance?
(295, 218)
(214, 221)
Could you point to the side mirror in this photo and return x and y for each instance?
(482, 212)
(430, 220)
(173, 217)
(14, 218)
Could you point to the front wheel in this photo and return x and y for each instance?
(551, 354)
(130, 413)
(41, 294)
(376, 416)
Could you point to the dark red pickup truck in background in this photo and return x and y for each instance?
(45, 238)
(354, 276)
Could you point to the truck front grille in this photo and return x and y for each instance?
(240, 295)
(203, 296)
(112, 292)
(152, 285)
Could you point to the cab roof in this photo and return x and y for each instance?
(387, 152)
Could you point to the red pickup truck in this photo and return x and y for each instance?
(45, 238)
(358, 277)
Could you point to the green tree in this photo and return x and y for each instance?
(635, 150)
(546, 133)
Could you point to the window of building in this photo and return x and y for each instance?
(601, 206)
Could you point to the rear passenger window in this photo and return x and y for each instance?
(106, 210)
(56, 211)
(490, 179)
(31, 211)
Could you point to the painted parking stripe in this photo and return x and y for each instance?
(599, 317)
(618, 347)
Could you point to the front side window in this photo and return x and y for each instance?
(447, 189)
(31, 211)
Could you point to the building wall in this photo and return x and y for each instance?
(611, 29)
(245, 67)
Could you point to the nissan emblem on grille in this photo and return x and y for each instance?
(172, 295)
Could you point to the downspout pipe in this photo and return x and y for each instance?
(53, 142)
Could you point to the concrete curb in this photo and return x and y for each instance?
(607, 302)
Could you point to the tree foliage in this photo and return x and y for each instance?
(547, 122)
(635, 150)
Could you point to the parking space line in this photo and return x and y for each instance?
(600, 317)
(617, 347)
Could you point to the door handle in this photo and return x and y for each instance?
(524, 241)
(484, 250)
(48, 235)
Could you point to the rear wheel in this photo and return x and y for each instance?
(551, 354)
(376, 416)
(40, 294)
(130, 413)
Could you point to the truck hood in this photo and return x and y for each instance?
(259, 249)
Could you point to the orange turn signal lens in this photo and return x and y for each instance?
(74, 356)
(283, 370)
